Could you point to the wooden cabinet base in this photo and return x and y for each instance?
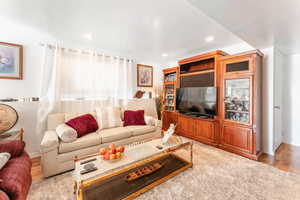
(244, 154)
(234, 139)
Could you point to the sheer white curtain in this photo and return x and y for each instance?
(77, 81)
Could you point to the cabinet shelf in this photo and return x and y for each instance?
(196, 73)
(238, 111)
(170, 83)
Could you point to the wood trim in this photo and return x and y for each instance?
(170, 83)
(238, 60)
(138, 75)
(20, 76)
(247, 53)
(170, 70)
(21, 134)
(167, 83)
(85, 184)
(196, 73)
(242, 153)
(202, 57)
(251, 85)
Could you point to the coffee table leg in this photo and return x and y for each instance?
(75, 188)
(192, 153)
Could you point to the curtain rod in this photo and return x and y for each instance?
(86, 52)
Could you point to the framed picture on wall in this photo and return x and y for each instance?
(11, 61)
(144, 76)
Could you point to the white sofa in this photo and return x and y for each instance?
(58, 156)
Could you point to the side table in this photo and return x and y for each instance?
(12, 135)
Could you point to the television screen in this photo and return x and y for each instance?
(196, 101)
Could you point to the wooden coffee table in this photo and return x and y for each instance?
(109, 182)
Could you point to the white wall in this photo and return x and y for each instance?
(268, 101)
(279, 67)
(291, 100)
(30, 85)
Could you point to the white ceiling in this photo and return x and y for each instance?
(261, 23)
(140, 29)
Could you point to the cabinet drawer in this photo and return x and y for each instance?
(237, 138)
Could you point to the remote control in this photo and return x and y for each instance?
(87, 161)
(85, 171)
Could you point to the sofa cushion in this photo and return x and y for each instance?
(140, 130)
(109, 117)
(114, 134)
(14, 147)
(83, 142)
(148, 105)
(83, 124)
(16, 177)
(54, 120)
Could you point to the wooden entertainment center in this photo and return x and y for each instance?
(236, 127)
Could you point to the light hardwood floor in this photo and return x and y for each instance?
(287, 158)
(36, 170)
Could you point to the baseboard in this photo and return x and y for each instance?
(34, 154)
(290, 141)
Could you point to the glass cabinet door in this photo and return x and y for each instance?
(169, 97)
(237, 100)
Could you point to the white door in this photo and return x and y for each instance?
(278, 66)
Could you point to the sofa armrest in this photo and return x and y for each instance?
(158, 123)
(50, 141)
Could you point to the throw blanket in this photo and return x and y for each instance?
(16, 177)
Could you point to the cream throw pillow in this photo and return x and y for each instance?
(150, 121)
(4, 158)
(66, 133)
(109, 117)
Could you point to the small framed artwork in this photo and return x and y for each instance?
(144, 76)
(11, 61)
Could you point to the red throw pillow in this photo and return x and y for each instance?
(14, 147)
(83, 124)
(134, 117)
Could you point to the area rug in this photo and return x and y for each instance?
(216, 175)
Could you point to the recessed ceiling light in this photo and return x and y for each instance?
(88, 36)
(209, 39)
(164, 55)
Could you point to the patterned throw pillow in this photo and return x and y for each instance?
(109, 117)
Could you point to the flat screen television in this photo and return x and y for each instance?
(196, 101)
